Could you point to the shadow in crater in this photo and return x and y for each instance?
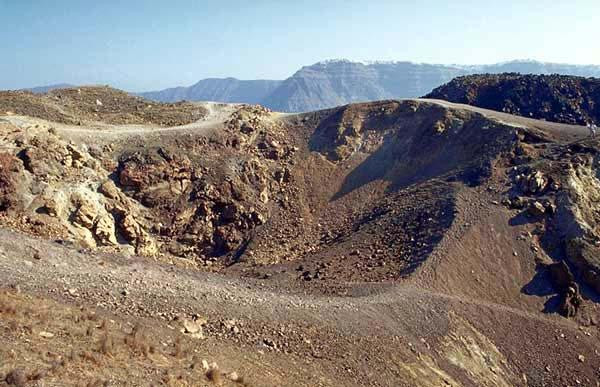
(523, 218)
(541, 286)
(414, 148)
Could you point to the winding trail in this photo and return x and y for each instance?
(218, 113)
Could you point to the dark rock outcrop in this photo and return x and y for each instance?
(558, 98)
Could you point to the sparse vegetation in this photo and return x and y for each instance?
(102, 345)
(78, 105)
(16, 377)
(214, 375)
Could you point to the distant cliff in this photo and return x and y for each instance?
(338, 82)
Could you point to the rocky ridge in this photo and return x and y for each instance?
(557, 98)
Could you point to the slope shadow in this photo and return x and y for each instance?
(541, 286)
(523, 218)
(414, 155)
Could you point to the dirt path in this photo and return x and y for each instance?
(217, 114)
(93, 275)
(569, 132)
(336, 332)
(220, 112)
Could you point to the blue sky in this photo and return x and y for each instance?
(144, 45)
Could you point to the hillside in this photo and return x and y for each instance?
(338, 82)
(218, 90)
(557, 98)
(411, 243)
(89, 104)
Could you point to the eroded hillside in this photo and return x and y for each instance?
(460, 236)
(88, 105)
(258, 190)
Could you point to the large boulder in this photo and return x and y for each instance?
(586, 258)
(105, 230)
(137, 236)
(534, 183)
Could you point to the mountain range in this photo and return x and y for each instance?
(338, 82)
(45, 89)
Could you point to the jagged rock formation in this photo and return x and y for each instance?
(143, 196)
(557, 186)
(558, 98)
(338, 82)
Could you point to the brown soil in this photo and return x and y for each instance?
(391, 243)
(87, 104)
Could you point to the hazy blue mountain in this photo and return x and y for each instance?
(217, 89)
(337, 82)
(45, 89)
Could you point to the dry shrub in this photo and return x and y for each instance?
(7, 307)
(178, 351)
(28, 329)
(106, 346)
(56, 364)
(16, 377)
(96, 383)
(73, 355)
(87, 355)
(88, 315)
(167, 379)
(214, 375)
(43, 317)
(13, 326)
(38, 375)
(137, 341)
